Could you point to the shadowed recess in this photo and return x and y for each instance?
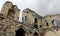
(20, 32)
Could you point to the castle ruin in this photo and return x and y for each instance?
(32, 24)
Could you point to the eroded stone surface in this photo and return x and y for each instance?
(32, 24)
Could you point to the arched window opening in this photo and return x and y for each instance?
(10, 14)
(47, 24)
(20, 32)
(35, 20)
(35, 34)
(55, 23)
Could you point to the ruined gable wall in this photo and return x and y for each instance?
(10, 27)
(9, 7)
(29, 16)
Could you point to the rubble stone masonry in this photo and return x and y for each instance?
(32, 24)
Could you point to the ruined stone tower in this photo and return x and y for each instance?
(10, 26)
(32, 24)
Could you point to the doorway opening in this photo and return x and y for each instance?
(20, 32)
(35, 34)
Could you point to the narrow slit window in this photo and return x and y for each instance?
(35, 20)
(47, 24)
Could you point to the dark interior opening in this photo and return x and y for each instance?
(10, 14)
(56, 29)
(47, 24)
(20, 32)
(40, 26)
(36, 26)
(11, 11)
(35, 20)
(35, 34)
(50, 16)
(52, 21)
(1, 17)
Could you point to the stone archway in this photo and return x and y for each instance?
(20, 32)
(35, 34)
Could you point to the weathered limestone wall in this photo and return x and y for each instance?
(32, 25)
(9, 19)
(50, 21)
(31, 17)
(9, 24)
(10, 11)
(52, 25)
(6, 7)
(8, 27)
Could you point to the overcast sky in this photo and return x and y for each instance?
(42, 7)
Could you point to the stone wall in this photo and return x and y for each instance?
(30, 17)
(32, 24)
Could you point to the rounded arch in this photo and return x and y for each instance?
(23, 30)
(36, 33)
(20, 32)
